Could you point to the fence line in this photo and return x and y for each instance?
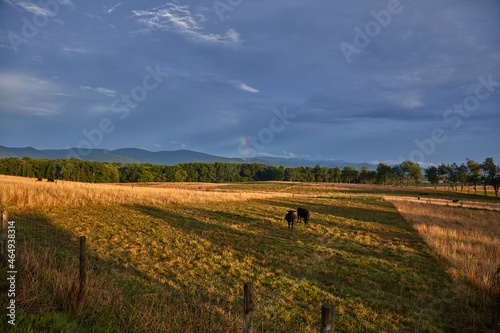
(33, 229)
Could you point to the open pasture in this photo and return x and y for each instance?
(358, 253)
(27, 193)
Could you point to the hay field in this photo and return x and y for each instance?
(468, 240)
(27, 193)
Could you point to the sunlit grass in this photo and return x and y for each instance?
(467, 240)
(27, 193)
(358, 253)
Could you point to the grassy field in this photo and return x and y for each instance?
(27, 193)
(174, 257)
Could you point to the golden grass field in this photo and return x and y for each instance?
(467, 240)
(27, 193)
(378, 253)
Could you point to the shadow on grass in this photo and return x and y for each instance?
(398, 271)
(359, 254)
(120, 297)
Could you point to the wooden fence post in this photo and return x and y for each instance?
(248, 306)
(327, 318)
(5, 218)
(83, 271)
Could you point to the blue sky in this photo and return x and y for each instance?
(362, 81)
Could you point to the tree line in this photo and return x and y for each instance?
(470, 173)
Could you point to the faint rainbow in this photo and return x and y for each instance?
(244, 143)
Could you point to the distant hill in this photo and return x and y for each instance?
(134, 155)
(294, 162)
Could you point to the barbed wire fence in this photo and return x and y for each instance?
(190, 288)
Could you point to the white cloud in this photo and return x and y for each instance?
(77, 50)
(284, 155)
(289, 155)
(38, 10)
(111, 9)
(407, 100)
(212, 77)
(66, 3)
(29, 95)
(177, 18)
(244, 87)
(62, 94)
(31, 7)
(104, 91)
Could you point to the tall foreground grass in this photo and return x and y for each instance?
(27, 193)
(467, 240)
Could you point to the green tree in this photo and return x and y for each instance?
(490, 174)
(9, 166)
(398, 174)
(453, 175)
(179, 174)
(366, 176)
(384, 174)
(291, 174)
(280, 175)
(132, 173)
(432, 175)
(461, 172)
(349, 174)
(337, 175)
(318, 173)
(410, 171)
(473, 172)
(445, 171)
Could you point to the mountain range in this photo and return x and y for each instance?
(134, 155)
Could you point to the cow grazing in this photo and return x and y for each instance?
(51, 180)
(455, 200)
(39, 179)
(290, 218)
(303, 214)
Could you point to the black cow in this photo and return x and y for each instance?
(39, 179)
(51, 180)
(303, 214)
(290, 218)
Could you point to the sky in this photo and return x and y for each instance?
(360, 81)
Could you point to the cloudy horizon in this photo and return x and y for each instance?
(374, 81)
